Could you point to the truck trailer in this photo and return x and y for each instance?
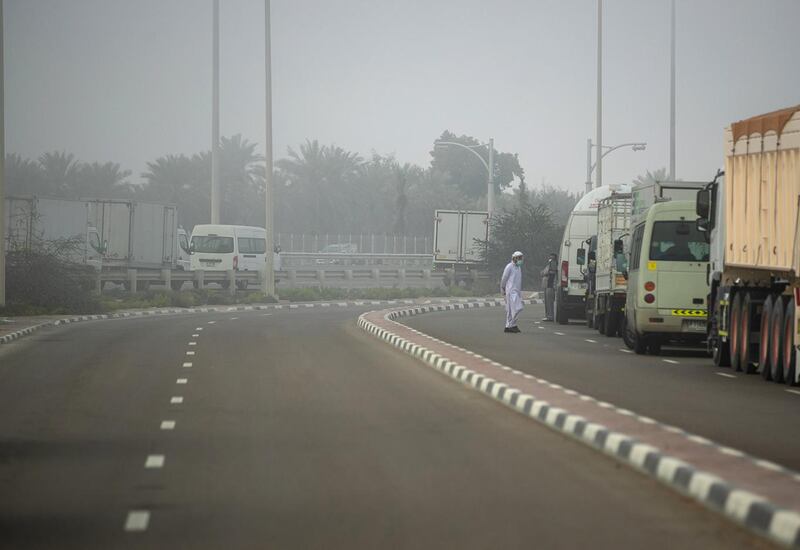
(750, 216)
(458, 241)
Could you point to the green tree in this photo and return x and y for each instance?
(23, 176)
(651, 177)
(59, 173)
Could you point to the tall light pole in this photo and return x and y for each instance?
(488, 166)
(2, 169)
(672, 94)
(269, 275)
(635, 145)
(600, 91)
(215, 191)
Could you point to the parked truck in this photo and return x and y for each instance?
(750, 216)
(44, 223)
(667, 289)
(458, 241)
(610, 285)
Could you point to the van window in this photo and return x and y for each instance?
(636, 247)
(184, 242)
(678, 241)
(249, 245)
(212, 244)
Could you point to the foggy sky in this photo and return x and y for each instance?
(130, 80)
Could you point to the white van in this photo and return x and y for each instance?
(581, 225)
(230, 247)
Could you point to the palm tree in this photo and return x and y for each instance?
(59, 173)
(651, 177)
(107, 180)
(23, 176)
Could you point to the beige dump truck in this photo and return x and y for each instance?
(751, 219)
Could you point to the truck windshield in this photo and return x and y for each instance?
(678, 241)
(212, 244)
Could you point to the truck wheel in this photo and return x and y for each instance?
(600, 323)
(734, 337)
(776, 340)
(561, 314)
(746, 325)
(720, 351)
(610, 329)
(639, 342)
(789, 360)
(765, 340)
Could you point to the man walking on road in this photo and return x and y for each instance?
(511, 288)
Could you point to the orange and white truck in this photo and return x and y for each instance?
(750, 215)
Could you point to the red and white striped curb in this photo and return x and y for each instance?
(760, 495)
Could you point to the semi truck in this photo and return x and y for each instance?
(667, 288)
(750, 216)
(610, 285)
(458, 241)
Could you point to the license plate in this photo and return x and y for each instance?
(694, 325)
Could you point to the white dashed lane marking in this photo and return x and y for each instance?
(211, 322)
(794, 392)
(199, 328)
(154, 461)
(234, 318)
(137, 520)
(167, 424)
(725, 374)
(559, 333)
(623, 350)
(176, 400)
(195, 335)
(187, 365)
(182, 381)
(671, 361)
(189, 353)
(591, 341)
(192, 343)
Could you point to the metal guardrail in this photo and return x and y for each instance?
(319, 259)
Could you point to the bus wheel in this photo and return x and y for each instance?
(639, 342)
(776, 340)
(789, 359)
(765, 340)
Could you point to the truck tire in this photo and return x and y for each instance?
(720, 351)
(789, 359)
(746, 326)
(735, 336)
(561, 312)
(776, 340)
(765, 340)
(611, 323)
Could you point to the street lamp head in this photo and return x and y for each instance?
(639, 146)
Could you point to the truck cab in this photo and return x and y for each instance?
(667, 281)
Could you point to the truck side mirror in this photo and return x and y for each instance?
(618, 246)
(592, 256)
(622, 263)
(581, 258)
(703, 205)
(702, 225)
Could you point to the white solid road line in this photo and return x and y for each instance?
(167, 424)
(671, 362)
(182, 381)
(725, 374)
(794, 392)
(154, 461)
(137, 520)
(176, 400)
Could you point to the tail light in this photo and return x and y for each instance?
(649, 286)
(797, 296)
(565, 273)
(649, 298)
(236, 262)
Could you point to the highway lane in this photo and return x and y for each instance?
(680, 387)
(294, 428)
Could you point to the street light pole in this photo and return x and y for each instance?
(588, 165)
(599, 91)
(2, 169)
(672, 95)
(269, 275)
(635, 145)
(490, 190)
(215, 117)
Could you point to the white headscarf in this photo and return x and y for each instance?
(517, 254)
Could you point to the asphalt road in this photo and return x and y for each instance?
(294, 429)
(680, 387)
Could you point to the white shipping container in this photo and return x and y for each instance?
(458, 236)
